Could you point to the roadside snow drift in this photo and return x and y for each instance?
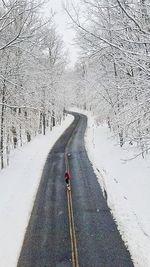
(127, 183)
(18, 187)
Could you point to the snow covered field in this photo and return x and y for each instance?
(128, 188)
(127, 184)
(18, 187)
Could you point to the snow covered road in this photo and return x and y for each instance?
(47, 241)
(18, 187)
(127, 183)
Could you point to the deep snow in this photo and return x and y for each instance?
(127, 184)
(18, 187)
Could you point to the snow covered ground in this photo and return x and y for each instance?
(128, 188)
(127, 183)
(18, 187)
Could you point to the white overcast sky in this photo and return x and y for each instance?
(63, 27)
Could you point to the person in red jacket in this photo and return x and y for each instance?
(67, 178)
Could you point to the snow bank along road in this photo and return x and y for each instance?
(72, 228)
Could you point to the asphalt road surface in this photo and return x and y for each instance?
(72, 228)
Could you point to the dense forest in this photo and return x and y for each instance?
(32, 65)
(111, 76)
(113, 70)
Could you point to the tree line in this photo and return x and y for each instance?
(32, 66)
(113, 70)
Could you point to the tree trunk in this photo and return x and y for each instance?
(20, 128)
(7, 149)
(44, 124)
(40, 124)
(53, 119)
(2, 127)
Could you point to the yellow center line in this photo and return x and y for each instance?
(75, 261)
(70, 228)
(74, 235)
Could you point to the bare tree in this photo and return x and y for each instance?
(114, 38)
(32, 64)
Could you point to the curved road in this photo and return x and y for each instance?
(84, 235)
